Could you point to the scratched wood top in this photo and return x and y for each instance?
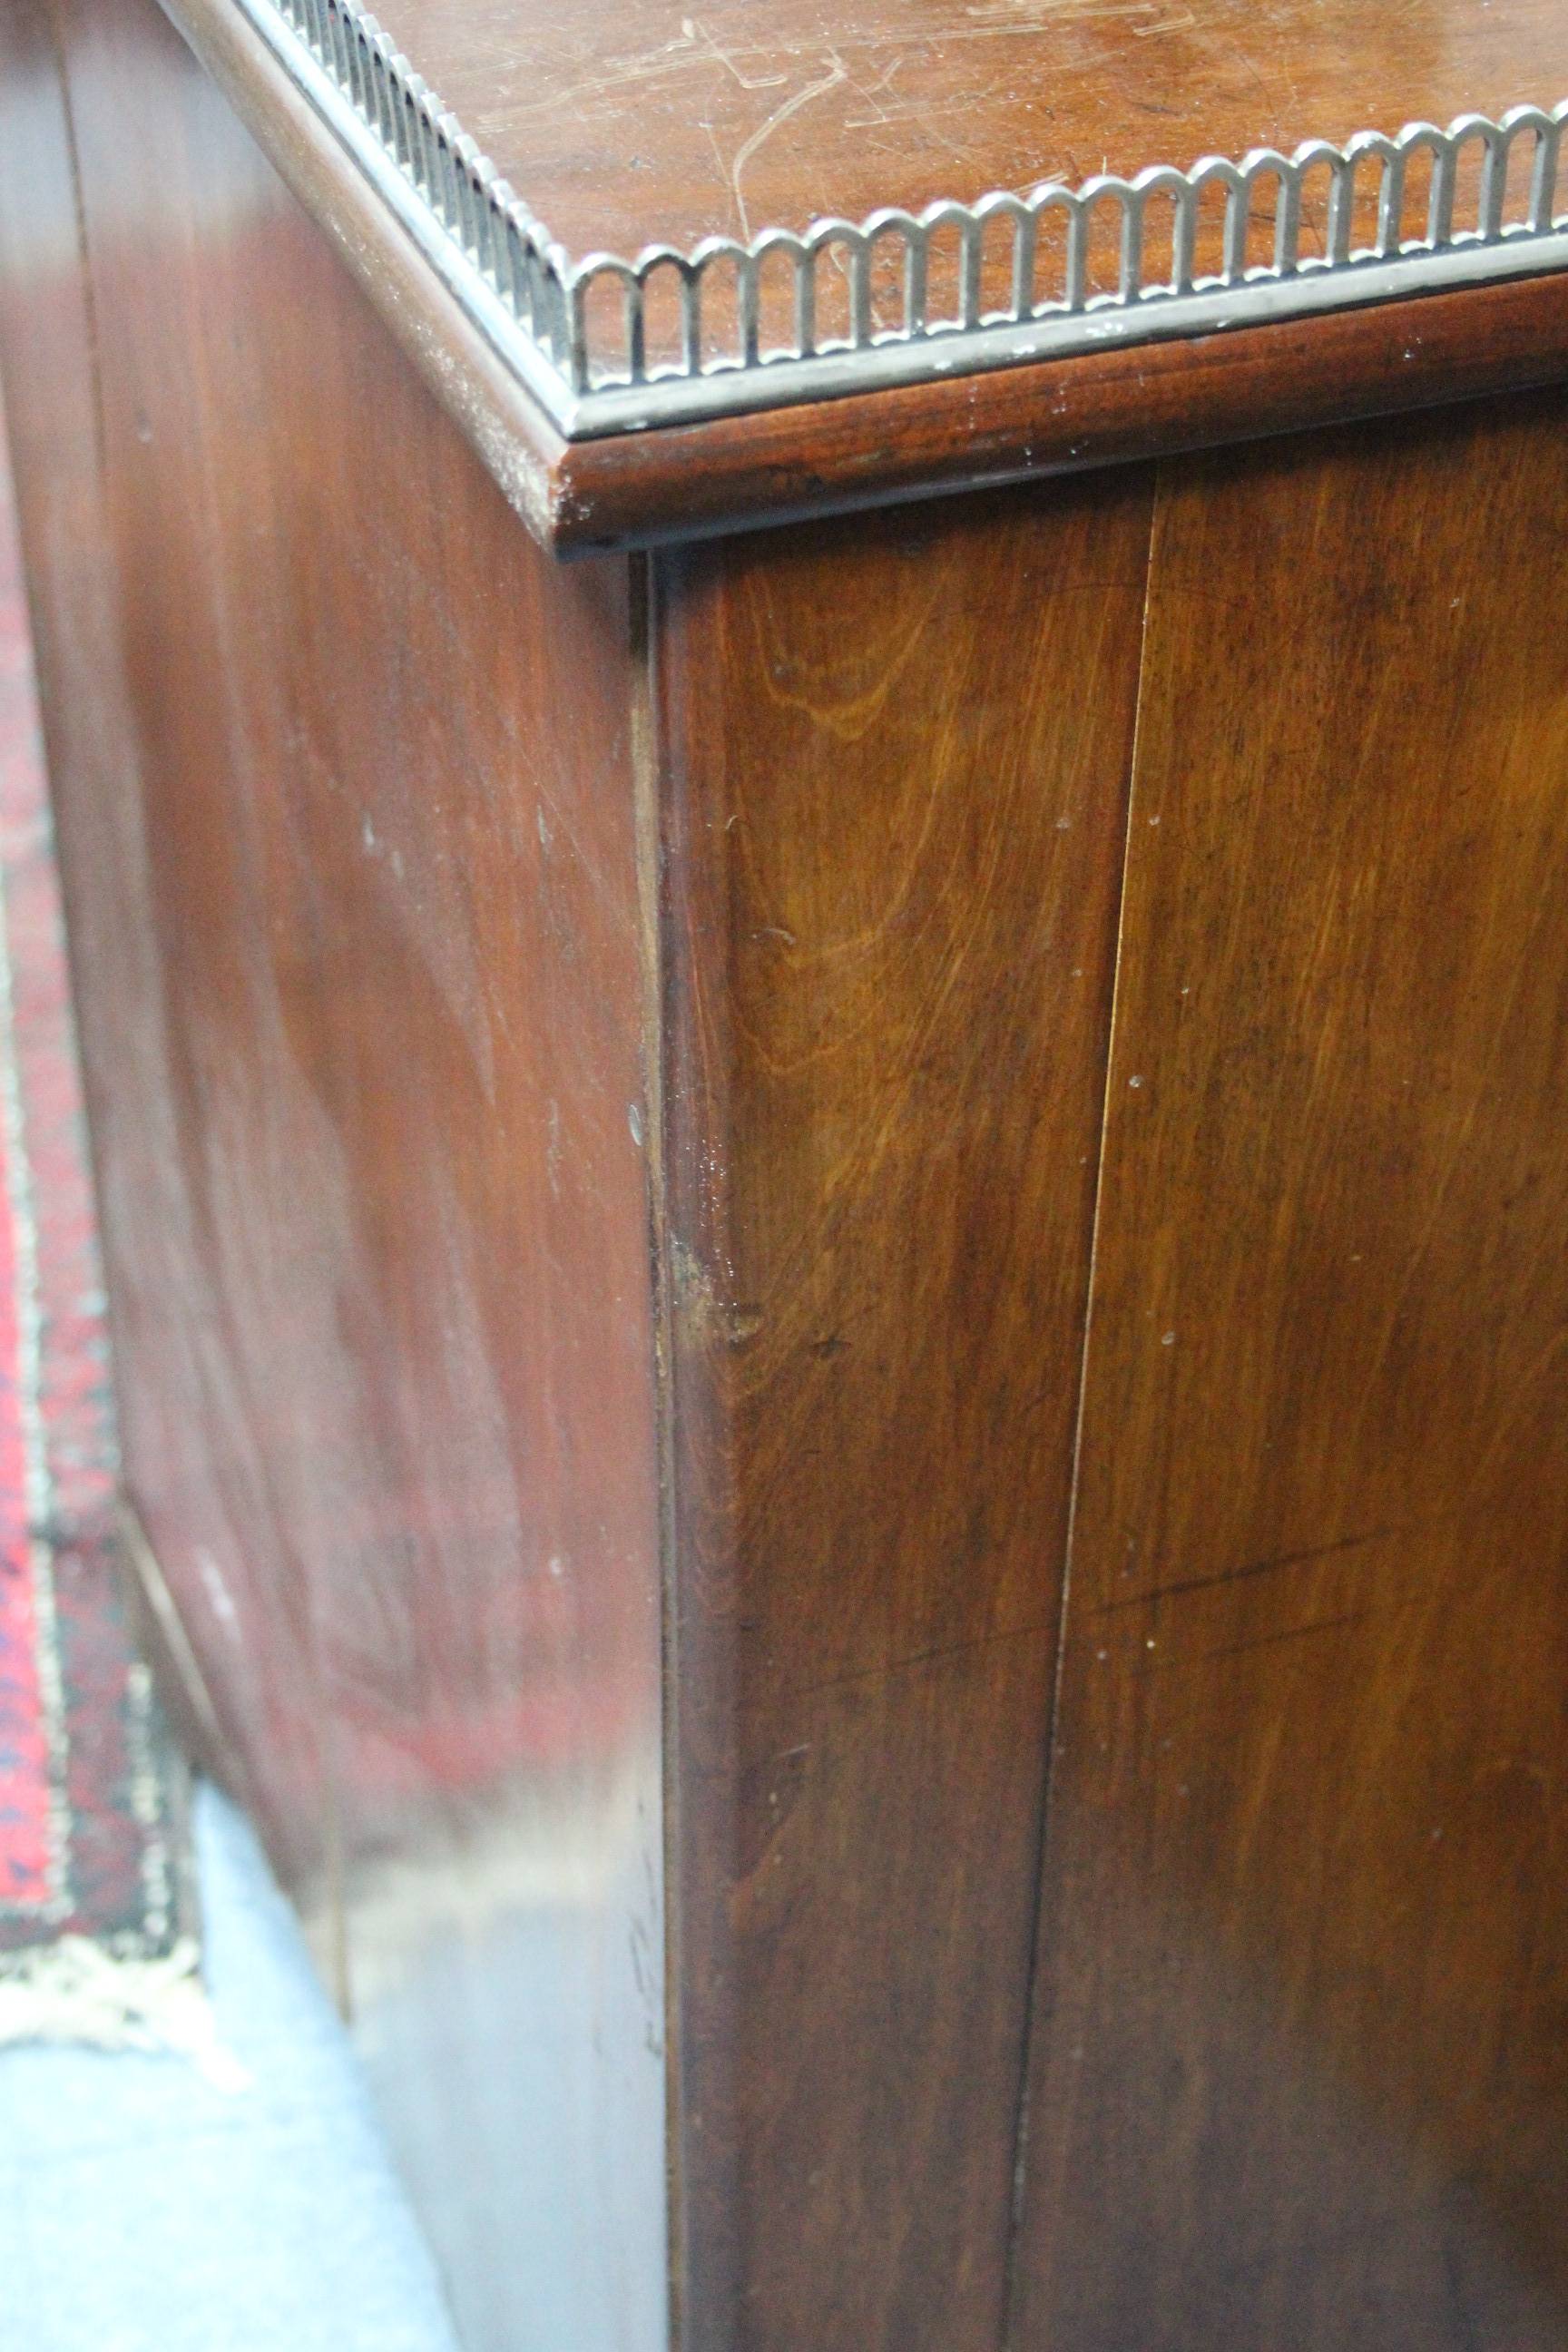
(624, 124)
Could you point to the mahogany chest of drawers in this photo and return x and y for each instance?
(822, 930)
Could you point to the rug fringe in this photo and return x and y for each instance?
(74, 1990)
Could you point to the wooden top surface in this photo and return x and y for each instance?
(626, 124)
(642, 126)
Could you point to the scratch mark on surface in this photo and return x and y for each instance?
(886, 1667)
(779, 115)
(707, 130)
(520, 98)
(1256, 1568)
(1288, 1634)
(695, 30)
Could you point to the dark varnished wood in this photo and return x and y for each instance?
(896, 756)
(473, 953)
(1298, 2078)
(1004, 424)
(54, 414)
(626, 124)
(1068, 415)
(348, 821)
(508, 428)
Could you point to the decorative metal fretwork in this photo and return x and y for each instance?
(609, 345)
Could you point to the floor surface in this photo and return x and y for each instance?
(142, 2210)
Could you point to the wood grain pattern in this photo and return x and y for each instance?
(352, 856)
(895, 762)
(1300, 2075)
(351, 779)
(630, 124)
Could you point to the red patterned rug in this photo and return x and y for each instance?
(92, 1831)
